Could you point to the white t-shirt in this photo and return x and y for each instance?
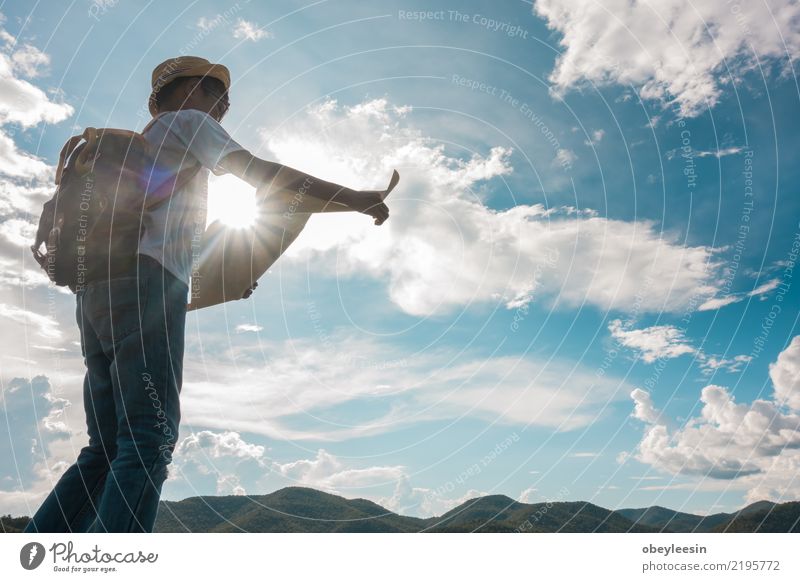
(173, 230)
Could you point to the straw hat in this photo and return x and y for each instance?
(185, 66)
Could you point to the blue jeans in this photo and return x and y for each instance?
(132, 331)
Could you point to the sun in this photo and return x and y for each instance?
(231, 200)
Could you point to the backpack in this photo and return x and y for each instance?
(106, 180)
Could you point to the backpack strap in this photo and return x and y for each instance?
(66, 152)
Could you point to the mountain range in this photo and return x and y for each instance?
(302, 509)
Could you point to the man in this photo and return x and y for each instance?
(132, 325)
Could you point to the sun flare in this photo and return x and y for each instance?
(231, 200)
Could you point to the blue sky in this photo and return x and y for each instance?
(585, 290)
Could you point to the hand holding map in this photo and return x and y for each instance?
(231, 260)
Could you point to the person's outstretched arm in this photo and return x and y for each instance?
(263, 173)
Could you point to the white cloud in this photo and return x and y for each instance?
(656, 342)
(718, 153)
(230, 485)
(230, 465)
(245, 327)
(719, 302)
(756, 444)
(298, 389)
(423, 501)
(23, 198)
(18, 231)
(671, 49)
(778, 481)
(35, 419)
(442, 249)
(565, 158)
(26, 501)
(329, 473)
(216, 445)
(206, 24)
(30, 61)
(727, 440)
(664, 342)
(785, 375)
(223, 461)
(709, 364)
(25, 183)
(23, 103)
(249, 31)
(12, 274)
(643, 409)
(521, 391)
(528, 495)
(43, 325)
(596, 137)
(25, 176)
(18, 164)
(765, 288)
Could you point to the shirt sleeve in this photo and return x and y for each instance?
(204, 138)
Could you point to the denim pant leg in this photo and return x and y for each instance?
(140, 321)
(71, 505)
